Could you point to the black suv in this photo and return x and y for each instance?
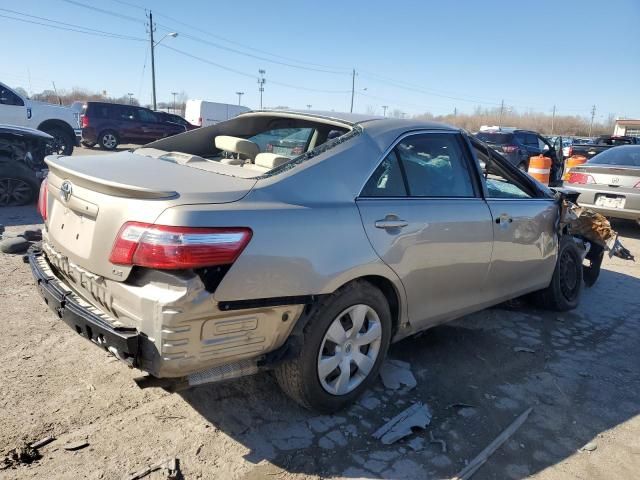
(518, 146)
(110, 124)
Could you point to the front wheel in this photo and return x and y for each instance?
(344, 343)
(62, 143)
(563, 293)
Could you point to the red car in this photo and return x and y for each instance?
(110, 124)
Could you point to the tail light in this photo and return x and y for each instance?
(199, 121)
(509, 148)
(269, 147)
(42, 200)
(175, 248)
(84, 121)
(581, 178)
(298, 150)
(570, 151)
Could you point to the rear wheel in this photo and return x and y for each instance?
(344, 343)
(566, 285)
(18, 185)
(108, 140)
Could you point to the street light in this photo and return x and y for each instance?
(261, 82)
(239, 97)
(174, 101)
(153, 46)
(309, 106)
(130, 98)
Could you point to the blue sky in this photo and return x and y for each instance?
(414, 56)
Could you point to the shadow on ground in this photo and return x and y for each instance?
(582, 379)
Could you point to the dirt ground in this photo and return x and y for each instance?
(582, 380)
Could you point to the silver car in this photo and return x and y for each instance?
(609, 182)
(203, 257)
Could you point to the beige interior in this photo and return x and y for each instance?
(266, 161)
(242, 148)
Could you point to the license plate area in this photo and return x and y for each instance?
(610, 201)
(71, 229)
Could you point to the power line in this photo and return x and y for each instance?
(86, 31)
(107, 12)
(249, 75)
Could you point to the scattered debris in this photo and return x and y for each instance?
(42, 442)
(32, 235)
(482, 457)
(442, 443)
(589, 447)
(23, 455)
(524, 349)
(395, 373)
(417, 415)
(73, 446)
(14, 245)
(171, 466)
(460, 405)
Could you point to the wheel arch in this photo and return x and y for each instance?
(56, 123)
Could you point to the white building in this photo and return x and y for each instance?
(627, 126)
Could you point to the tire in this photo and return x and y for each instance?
(18, 185)
(88, 144)
(63, 142)
(108, 140)
(301, 378)
(563, 293)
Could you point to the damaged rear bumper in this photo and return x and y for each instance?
(121, 342)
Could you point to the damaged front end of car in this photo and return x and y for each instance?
(591, 230)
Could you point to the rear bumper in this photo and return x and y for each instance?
(122, 342)
(588, 194)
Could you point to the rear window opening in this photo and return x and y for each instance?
(255, 143)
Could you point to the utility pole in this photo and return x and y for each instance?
(153, 62)
(501, 112)
(239, 97)
(309, 106)
(553, 118)
(455, 111)
(384, 110)
(593, 114)
(261, 82)
(130, 98)
(353, 87)
(174, 101)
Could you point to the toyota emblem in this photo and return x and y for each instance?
(65, 190)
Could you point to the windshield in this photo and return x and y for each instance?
(495, 138)
(628, 156)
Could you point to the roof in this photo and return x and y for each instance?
(628, 121)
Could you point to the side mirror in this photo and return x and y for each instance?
(545, 148)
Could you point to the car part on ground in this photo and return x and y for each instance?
(228, 260)
(22, 152)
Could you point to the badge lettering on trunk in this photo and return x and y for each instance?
(65, 190)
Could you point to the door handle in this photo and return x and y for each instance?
(503, 219)
(389, 223)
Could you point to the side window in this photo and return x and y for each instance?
(147, 116)
(125, 113)
(386, 180)
(532, 140)
(542, 145)
(435, 165)
(496, 179)
(7, 97)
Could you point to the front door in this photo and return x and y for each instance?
(425, 218)
(525, 244)
(12, 108)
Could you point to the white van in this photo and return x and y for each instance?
(202, 113)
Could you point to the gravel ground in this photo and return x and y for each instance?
(581, 379)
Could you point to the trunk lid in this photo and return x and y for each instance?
(91, 197)
(610, 175)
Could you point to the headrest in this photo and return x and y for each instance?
(237, 145)
(270, 160)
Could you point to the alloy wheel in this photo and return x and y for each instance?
(14, 191)
(109, 140)
(349, 349)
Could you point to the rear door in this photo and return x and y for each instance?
(424, 216)
(129, 126)
(525, 243)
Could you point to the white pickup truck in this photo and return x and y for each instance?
(62, 123)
